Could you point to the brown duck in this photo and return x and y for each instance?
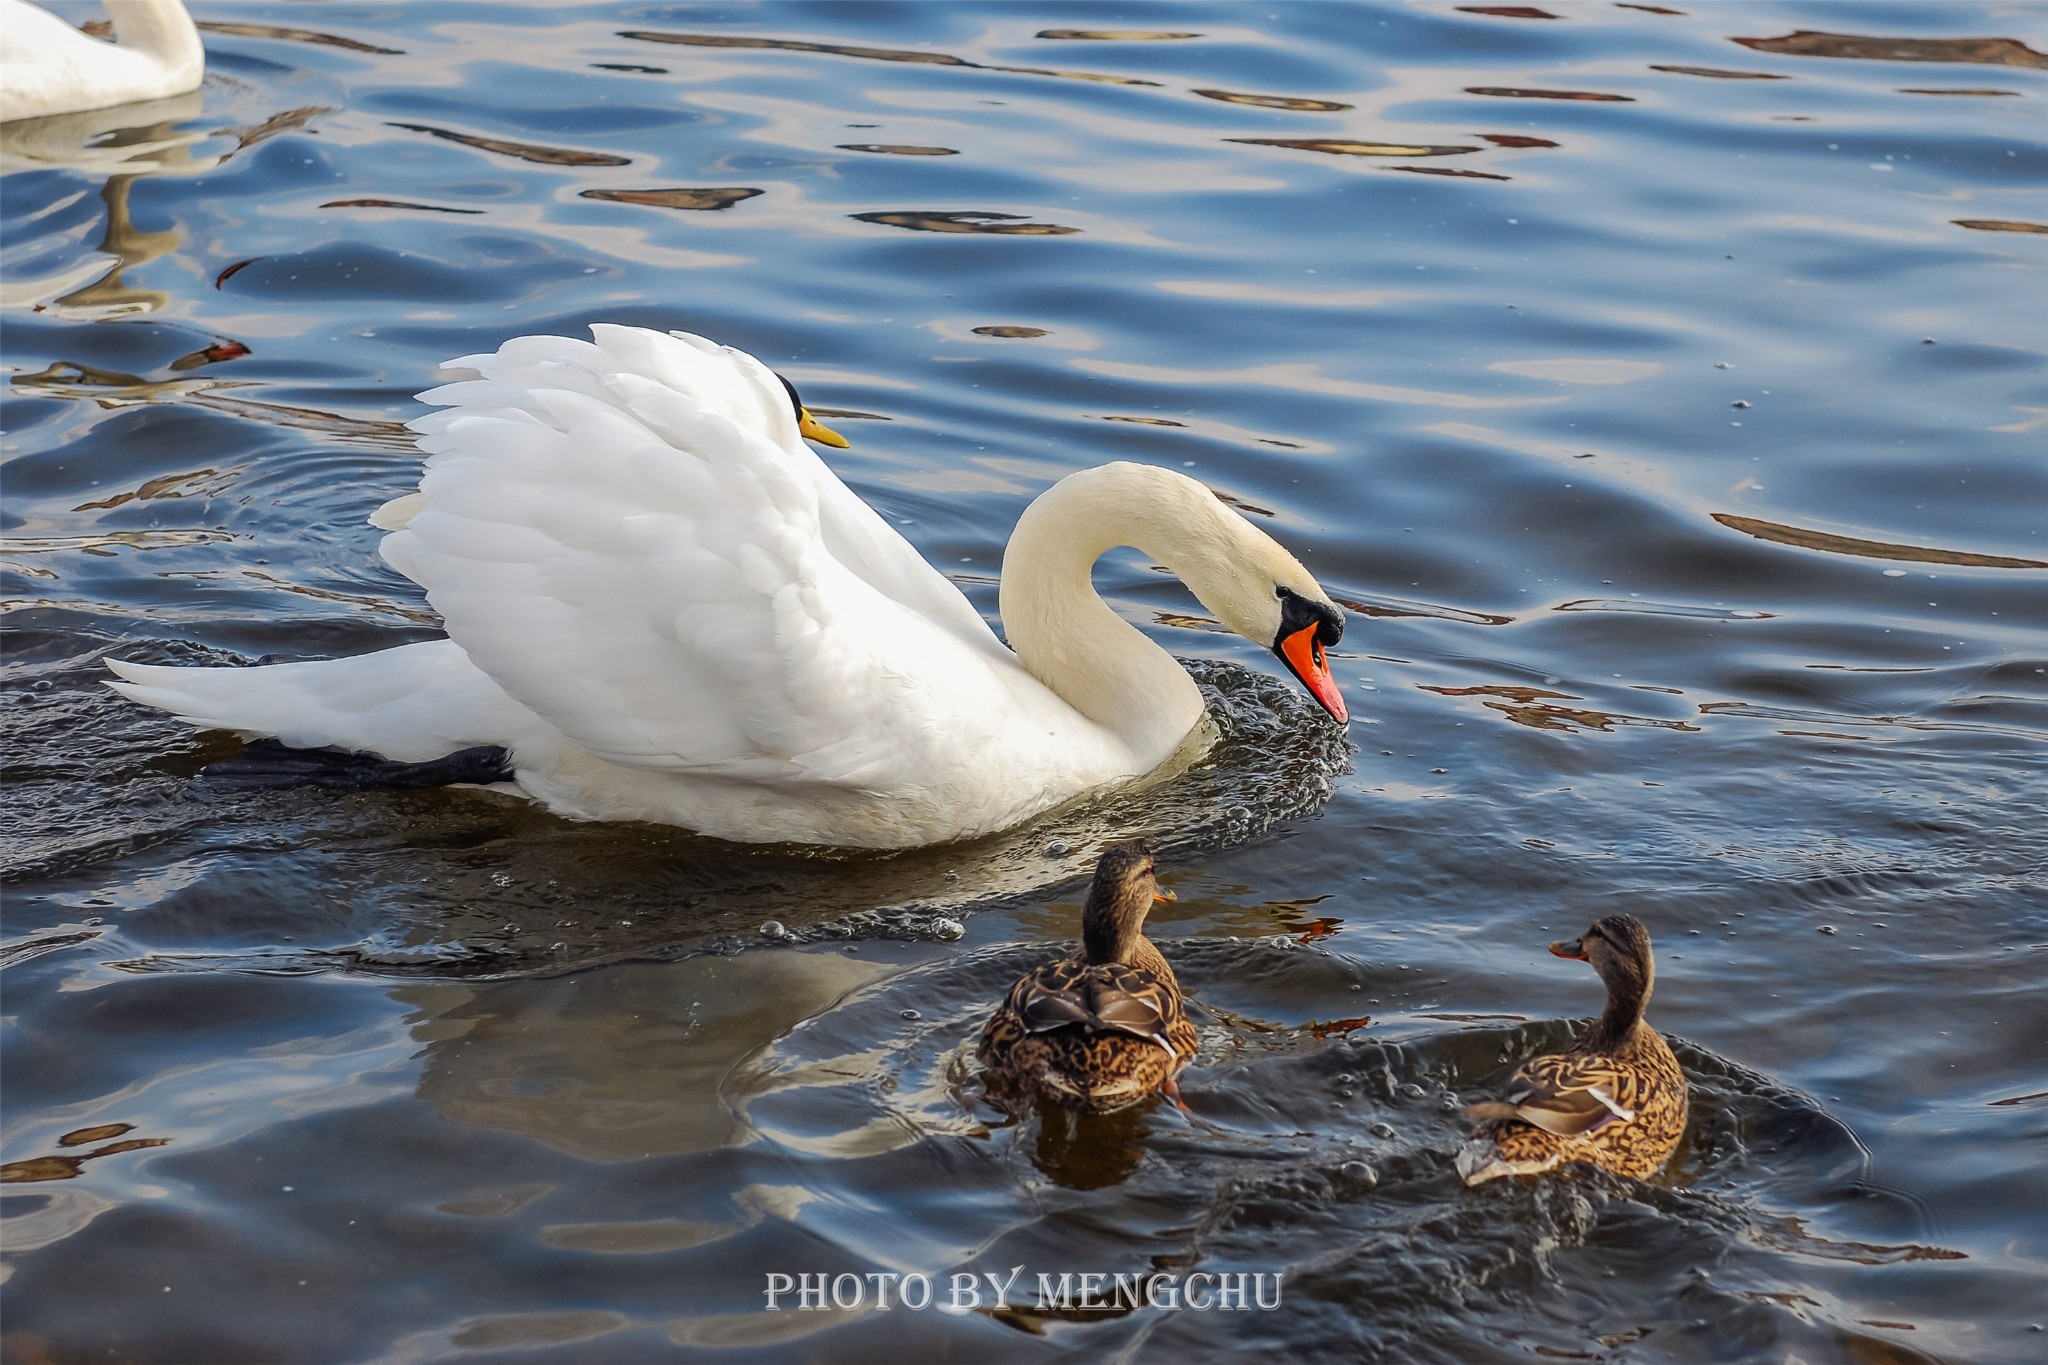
(1102, 1027)
(1614, 1099)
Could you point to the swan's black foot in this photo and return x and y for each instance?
(266, 763)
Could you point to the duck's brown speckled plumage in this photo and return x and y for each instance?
(1102, 1027)
(1615, 1099)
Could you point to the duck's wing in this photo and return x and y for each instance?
(1568, 1094)
(615, 534)
(1111, 998)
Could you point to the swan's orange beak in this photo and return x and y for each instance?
(1302, 652)
(812, 429)
(1575, 950)
(1162, 896)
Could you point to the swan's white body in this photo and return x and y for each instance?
(667, 608)
(48, 67)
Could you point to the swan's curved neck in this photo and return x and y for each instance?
(1067, 636)
(160, 30)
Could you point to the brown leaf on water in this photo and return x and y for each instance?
(1394, 606)
(706, 199)
(525, 151)
(871, 54)
(1018, 333)
(42, 1168)
(1517, 140)
(1869, 549)
(209, 355)
(1718, 74)
(100, 1133)
(1112, 35)
(1306, 106)
(1147, 421)
(1517, 92)
(277, 123)
(294, 35)
(897, 149)
(1512, 691)
(1858, 47)
(229, 273)
(1651, 9)
(392, 204)
(1999, 225)
(1441, 170)
(1913, 90)
(1508, 11)
(1336, 146)
(967, 220)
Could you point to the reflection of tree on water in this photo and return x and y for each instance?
(125, 143)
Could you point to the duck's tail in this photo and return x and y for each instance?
(411, 704)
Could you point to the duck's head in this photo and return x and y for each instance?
(1618, 946)
(808, 426)
(1125, 887)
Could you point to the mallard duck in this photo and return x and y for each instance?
(662, 606)
(1614, 1099)
(1102, 1027)
(48, 67)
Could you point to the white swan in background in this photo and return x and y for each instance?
(48, 67)
(665, 607)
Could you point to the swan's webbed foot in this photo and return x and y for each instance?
(267, 763)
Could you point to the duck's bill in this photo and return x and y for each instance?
(1303, 654)
(1575, 949)
(813, 430)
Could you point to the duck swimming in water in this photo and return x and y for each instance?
(1103, 1027)
(1615, 1099)
(661, 605)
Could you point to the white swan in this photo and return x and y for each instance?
(667, 608)
(48, 67)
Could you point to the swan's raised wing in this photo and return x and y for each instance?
(623, 536)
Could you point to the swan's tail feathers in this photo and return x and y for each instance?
(266, 763)
(414, 704)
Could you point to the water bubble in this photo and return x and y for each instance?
(948, 930)
(773, 929)
(912, 1014)
(1359, 1173)
(1412, 1091)
(1383, 1131)
(1057, 848)
(1827, 928)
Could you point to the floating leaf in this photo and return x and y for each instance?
(525, 151)
(1275, 101)
(1999, 225)
(872, 54)
(705, 199)
(1508, 11)
(1021, 333)
(967, 220)
(1718, 74)
(1112, 35)
(294, 35)
(897, 149)
(1445, 170)
(1857, 47)
(1869, 549)
(385, 204)
(1347, 147)
(1516, 92)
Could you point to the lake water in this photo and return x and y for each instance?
(1662, 386)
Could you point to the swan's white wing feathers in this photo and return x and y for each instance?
(608, 533)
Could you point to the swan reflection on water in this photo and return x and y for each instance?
(125, 143)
